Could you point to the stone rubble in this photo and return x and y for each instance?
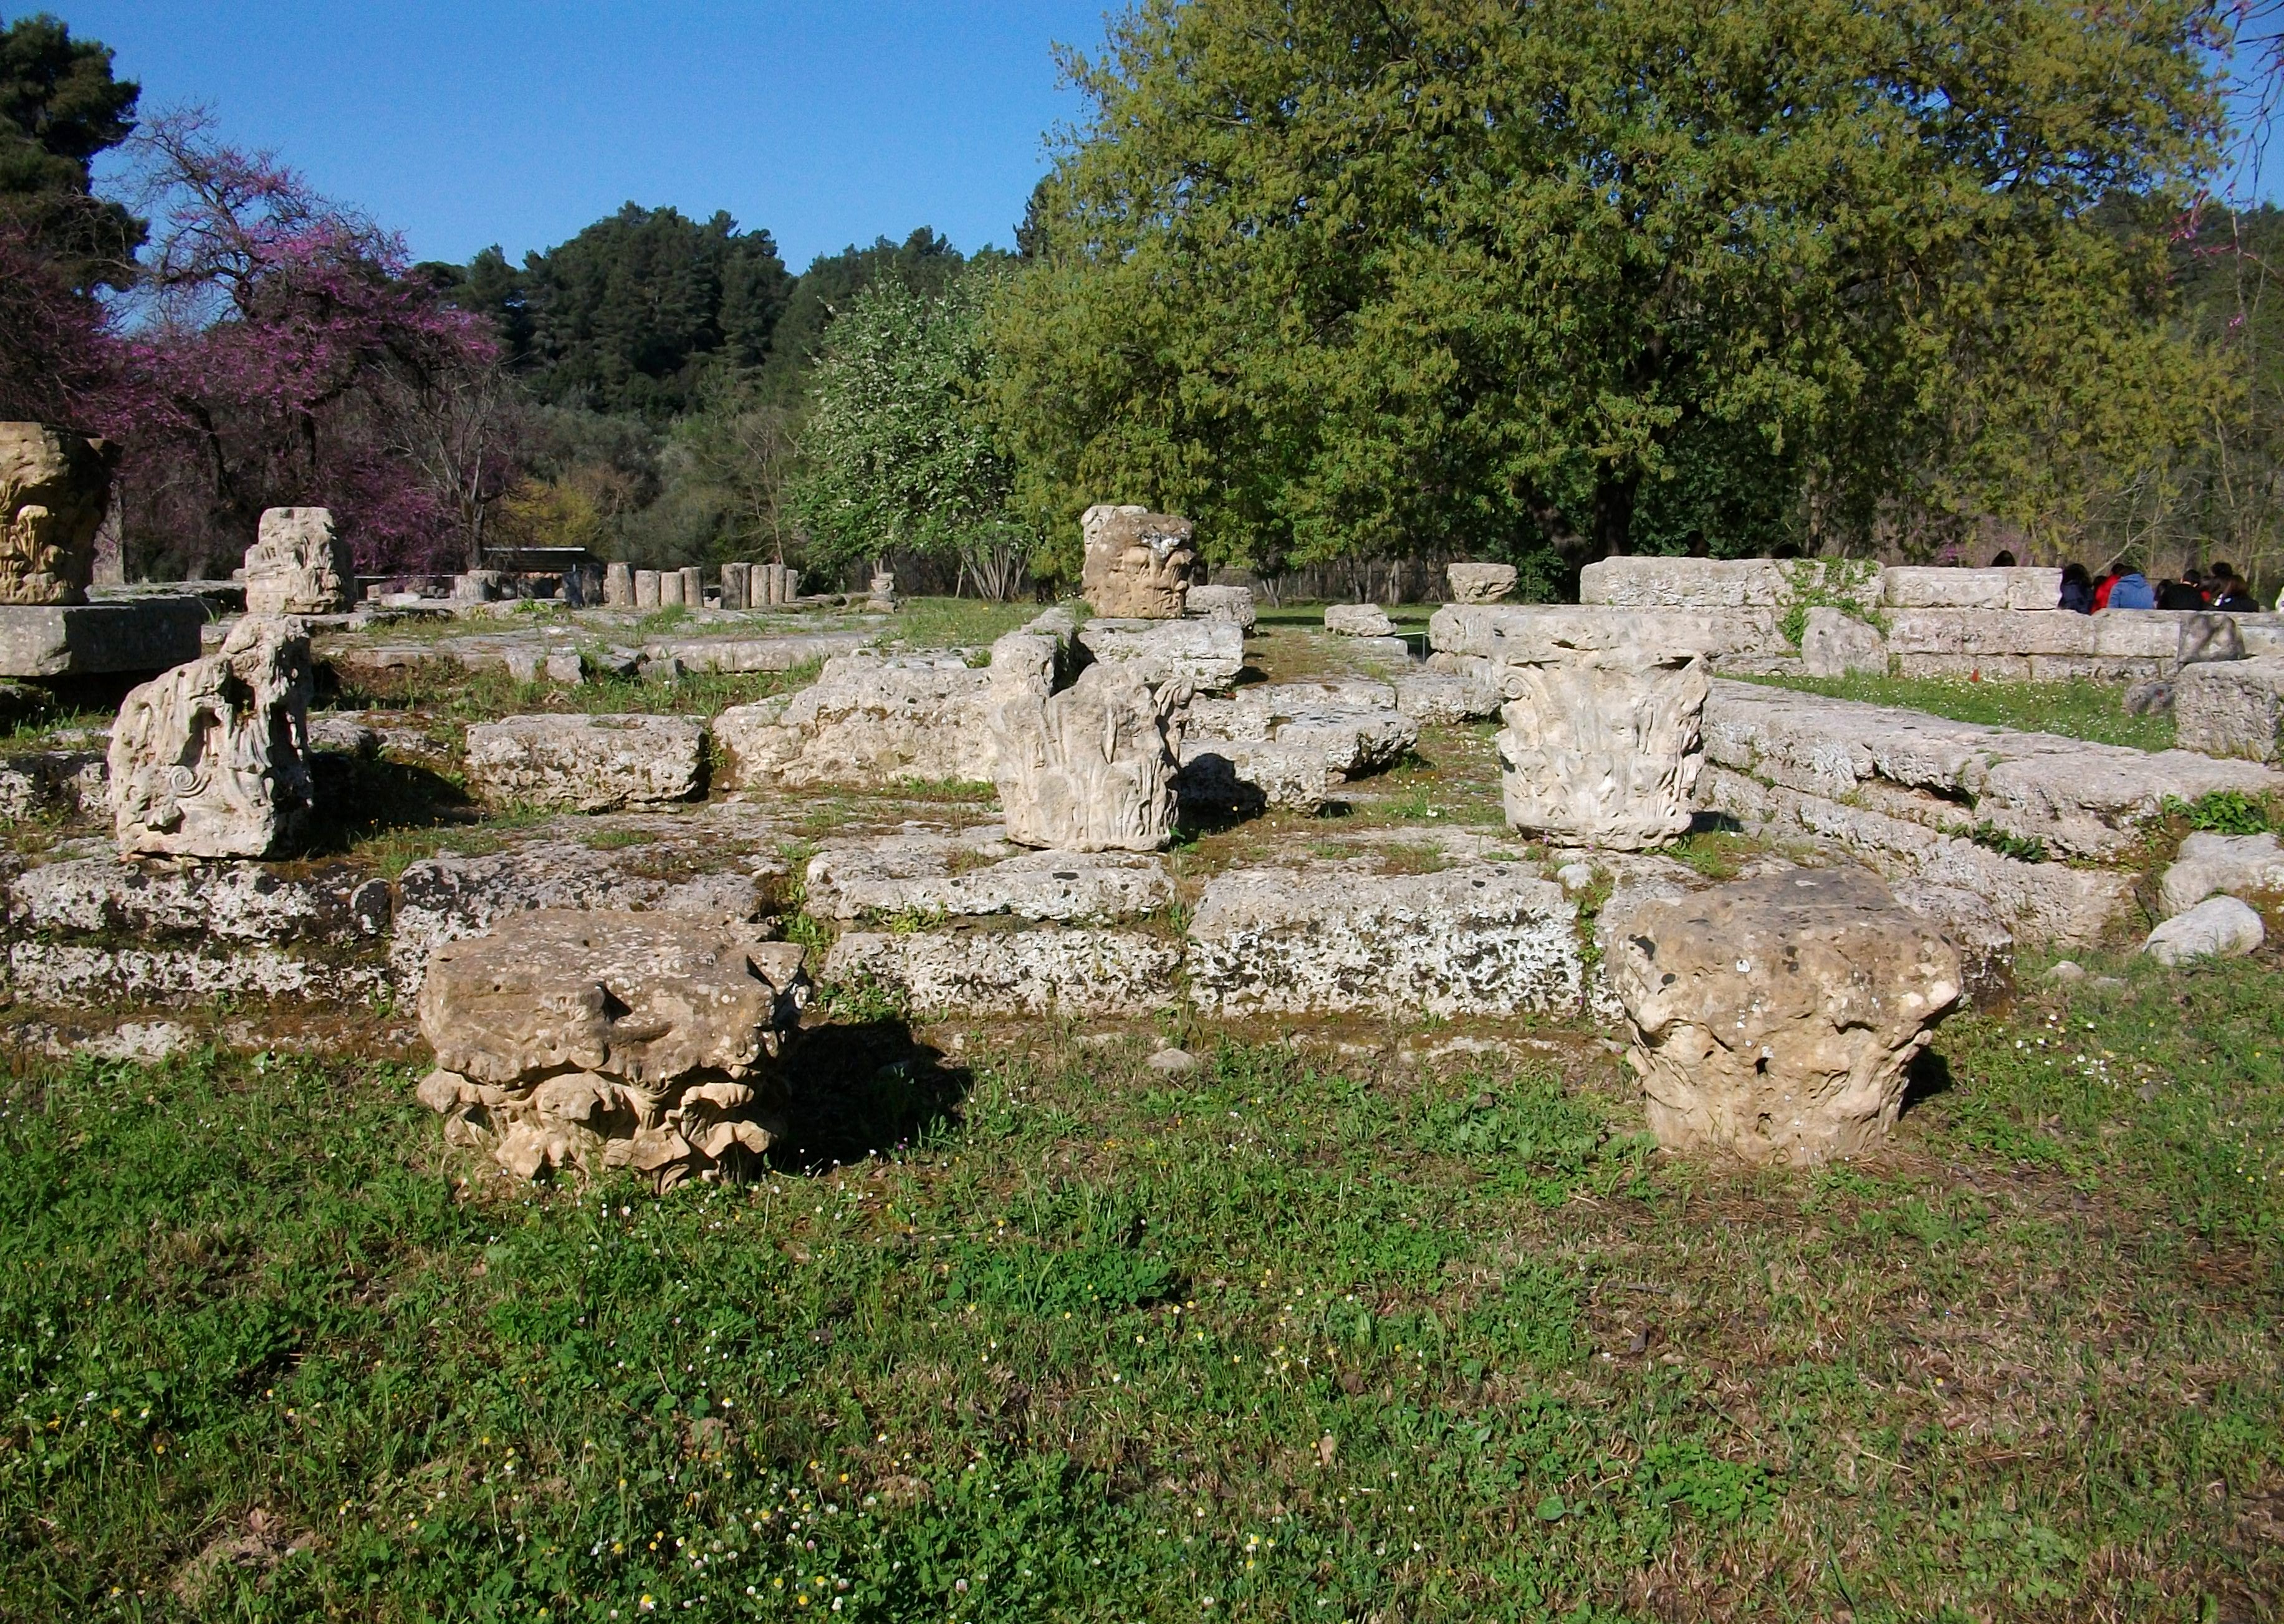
(2208, 864)
(1233, 604)
(1048, 971)
(1208, 654)
(915, 875)
(211, 760)
(595, 1041)
(1358, 620)
(1479, 583)
(2232, 708)
(587, 763)
(2218, 927)
(1774, 1019)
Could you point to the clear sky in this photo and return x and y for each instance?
(518, 122)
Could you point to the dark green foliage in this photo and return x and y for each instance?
(2222, 811)
(59, 109)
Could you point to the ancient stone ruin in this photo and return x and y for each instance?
(1479, 582)
(1773, 1019)
(1602, 748)
(1139, 564)
(55, 488)
(593, 1040)
(298, 565)
(1092, 768)
(211, 759)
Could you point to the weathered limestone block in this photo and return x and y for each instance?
(1989, 633)
(1636, 582)
(1353, 743)
(1358, 620)
(1773, 1018)
(1432, 697)
(2208, 864)
(2078, 799)
(1487, 939)
(139, 636)
(1503, 635)
(2045, 904)
(875, 719)
(1208, 654)
(1603, 748)
(1479, 583)
(102, 896)
(587, 763)
(914, 874)
(2204, 638)
(2218, 927)
(447, 897)
(1139, 564)
(968, 970)
(2232, 708)
(1911, 586)
(1289, 699)
(56, 783)
(600, 1040)
(211, 759)
(55, 488)
(1247, 776)
(1231, 603)
(44, 972)
(750, 654)
(1092, 768)
(1836, 644)
(298, 565)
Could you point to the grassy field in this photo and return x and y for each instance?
(1015, 1328)
(2089, 711)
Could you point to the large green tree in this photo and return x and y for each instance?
(899, 452)
(60, 108)
(1342, 276)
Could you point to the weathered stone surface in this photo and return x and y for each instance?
(1602, 749)
(1233, 604)
(211, 760)
(1092, 768)
(93, 640)
(609, 1039)
(1290, 699)
(1139, 564)
(1479, 583)
(587, 763)
(1933, 587)
(41, 972)
(2044, 904)
(1358, 620)
(1836, 644)
(2204, 638)
(1773, 1018)
(2077, 798)
(914, 874)
(54, 783)
(618, 584)
(2218, 927)
(55, 488)
(2230, 708)
(1438, 697)
(975, 970)
(1502, 635)
(2236, 863)
(1205, 654)
(1485, 939)
(298, 565)
(747, 654)
(1353, 743)
(873, 719)
(1244, 777)
(448, 898)
(1633, 582)
(235, 902)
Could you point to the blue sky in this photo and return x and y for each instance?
(518, 122)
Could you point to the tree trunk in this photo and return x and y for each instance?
(1614, 512)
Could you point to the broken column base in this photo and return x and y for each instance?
(141, 637)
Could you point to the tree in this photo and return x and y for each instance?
(900, 452)
(284, 356)
(924, 262)
(59, 109)
(629, 315)
(746, 448)
(1345, 276)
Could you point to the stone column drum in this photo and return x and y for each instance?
(618, 586)
(736, 580)
(693, 588)
(646, 589)
(1773, 1019)
(670, 588)
(1602, 748)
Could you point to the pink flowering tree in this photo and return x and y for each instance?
(278, 354)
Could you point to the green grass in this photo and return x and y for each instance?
(962, 622)
(455, 698)
(2089, 711)
(1299, 1341)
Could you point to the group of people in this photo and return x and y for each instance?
(2217, 587)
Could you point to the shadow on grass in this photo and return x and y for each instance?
(863, 1088)
(1927, 1076)
(362, 799)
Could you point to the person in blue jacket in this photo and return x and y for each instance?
(2129, 589)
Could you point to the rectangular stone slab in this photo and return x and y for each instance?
(145, 635)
